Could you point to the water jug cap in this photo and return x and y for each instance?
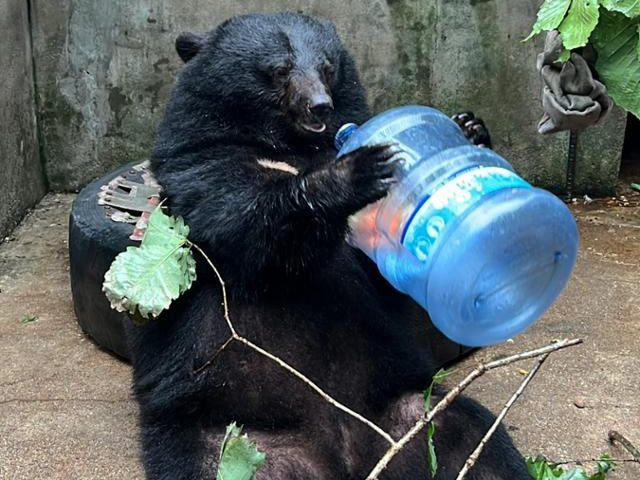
(344, 133)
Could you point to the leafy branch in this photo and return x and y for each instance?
(457, 390)
(613, 28)
(144, 280)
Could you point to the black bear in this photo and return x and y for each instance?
(246, 156)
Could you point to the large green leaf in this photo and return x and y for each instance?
(576, 28)
(550, 15)
(239, 456)
(145, 280)
(631, 8)
(618, 64)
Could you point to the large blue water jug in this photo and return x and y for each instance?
(484, 252)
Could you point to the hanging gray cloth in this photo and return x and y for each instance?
(571, 98)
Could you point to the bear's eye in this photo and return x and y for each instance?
(327, 69)
(281, 71)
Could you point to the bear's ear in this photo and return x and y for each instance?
(188, 45)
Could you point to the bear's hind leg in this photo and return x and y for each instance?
(458, 431)
(173, 447)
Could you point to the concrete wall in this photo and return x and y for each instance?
(105, 69)
(21, 177)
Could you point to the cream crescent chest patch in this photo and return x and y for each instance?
(282, 166)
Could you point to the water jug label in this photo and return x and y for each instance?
(429, 223)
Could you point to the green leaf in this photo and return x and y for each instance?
(163, 229)
(239, 457)
(541, 469)
(28, 319)
(437, 379)
(605, 465)
(616, 42)
(564, 56)
(630, 8)
(145, 280)
(576, 28)
(431, 450)
(550, 15)
(441, 375)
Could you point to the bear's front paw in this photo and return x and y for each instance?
(474, 129)
(369, 172)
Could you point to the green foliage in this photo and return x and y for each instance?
(617, 42)
(612, 27)
(541, 469)
(145, 280)
(564, 56)
(239, 457)
(28, 319)
(631, 8)
(438, 378)
(550, 16)
(431, 450)
(580, 21)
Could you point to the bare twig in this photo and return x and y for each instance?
(615, 436)
(278, 360)
(452, 394)
(206, 364)
(321, 392)
(395, 446)
(473, 458)
(225, 303)
(582, 461)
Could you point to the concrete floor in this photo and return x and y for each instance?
(66, 410)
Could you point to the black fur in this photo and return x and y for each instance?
(296, 288)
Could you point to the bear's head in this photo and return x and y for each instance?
(288, 73)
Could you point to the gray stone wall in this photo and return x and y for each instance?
(105, 69)
(21, 177)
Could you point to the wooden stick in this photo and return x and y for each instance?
(225, 303)
(473, 458)
(395, 446)
(615, 436)
(278, 360)
(452, 394)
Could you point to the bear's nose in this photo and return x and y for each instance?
(320, 105)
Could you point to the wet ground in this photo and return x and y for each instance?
(66, 410)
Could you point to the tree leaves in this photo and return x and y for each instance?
(630, 8)
(541, 469)
(550, 15)
(145, 280)
(240, 459)
(576, 28)
(616, 40)
(614, 31)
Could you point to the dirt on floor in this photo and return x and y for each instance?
(66, 410)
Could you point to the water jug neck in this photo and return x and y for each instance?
(344, 133)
